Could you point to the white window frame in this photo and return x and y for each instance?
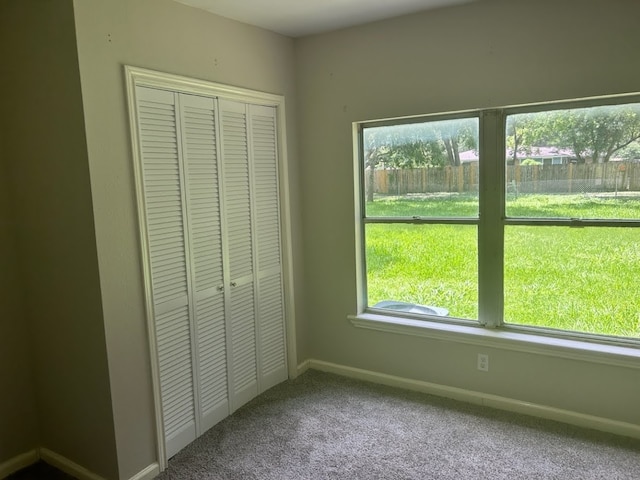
(489, 329)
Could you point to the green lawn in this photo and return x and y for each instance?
(580, 279)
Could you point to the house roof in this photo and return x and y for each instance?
(535, 152)
(544, 152)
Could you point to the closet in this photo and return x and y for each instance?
(207, 172)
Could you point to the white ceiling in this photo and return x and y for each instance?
(297, 18)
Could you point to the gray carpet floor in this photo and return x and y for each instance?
(323, 426)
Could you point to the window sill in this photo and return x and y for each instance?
(622, 356)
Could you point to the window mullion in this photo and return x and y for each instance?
(360, 216)
(490, 226)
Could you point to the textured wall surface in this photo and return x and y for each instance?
(49, 171)
(484, 54)
(166, 36)
(17, 401)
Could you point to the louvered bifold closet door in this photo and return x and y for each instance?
(271, 346)
(165, 218)
(241, 343)
(200, 159)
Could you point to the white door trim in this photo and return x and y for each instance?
(136, 76)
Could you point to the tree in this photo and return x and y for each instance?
(413, 145)
(456, 133)
(523, 130)
(595, 133)
(630, 152)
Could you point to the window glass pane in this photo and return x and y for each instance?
(427, 265)
(577, 163)
(427, 169)
(581, 279)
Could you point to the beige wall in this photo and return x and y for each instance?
(47, 158)
(18, 422)
(484, 54)
(166, 36)
(463, 57)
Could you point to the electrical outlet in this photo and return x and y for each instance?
(483, 362)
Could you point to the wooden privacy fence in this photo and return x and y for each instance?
(571, 178)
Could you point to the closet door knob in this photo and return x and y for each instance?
(220, 288)
(234, 284)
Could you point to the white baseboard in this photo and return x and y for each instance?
(18, 463)
(81, 473)
(503, 403)
(152, 471)
(469, 396)
(67, 466)
(61, 463)
(303, 367)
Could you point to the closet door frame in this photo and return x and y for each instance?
(135, 76)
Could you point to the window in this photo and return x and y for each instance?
(462, 220)
(421, 216)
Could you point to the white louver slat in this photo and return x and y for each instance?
(200, 159)
(165, 227)
(270, 314)
(207, 177)
(271, 324)
(265, 183)
(236, 189)
(237, 202)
